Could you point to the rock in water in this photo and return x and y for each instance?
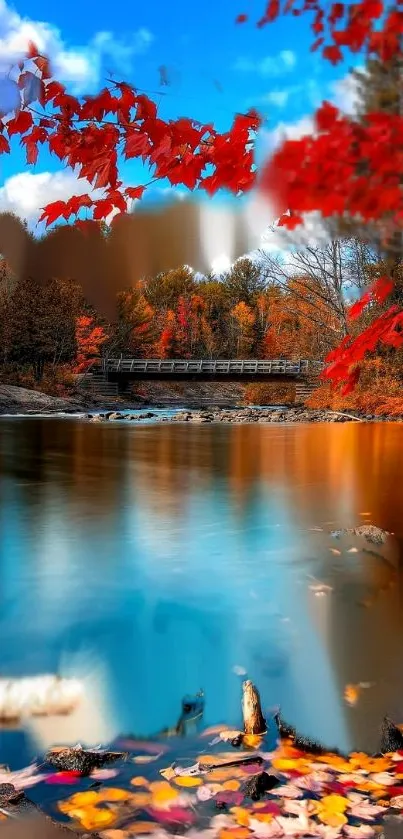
(300, 741)
(254, 722)
(81, 760)
(391, 737)
(368, 531)
(257, 785)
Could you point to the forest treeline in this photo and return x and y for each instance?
(293, 305)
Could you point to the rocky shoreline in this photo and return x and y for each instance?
(238, 415)
(18, 401)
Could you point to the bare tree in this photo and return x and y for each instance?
(331, 272)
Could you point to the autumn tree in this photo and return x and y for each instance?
(165, 290)
(134, 332)
(243, 318)
(90, 338)
(43, 323)
(7, 288)
(244, 281)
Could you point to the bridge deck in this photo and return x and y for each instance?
(117, 368)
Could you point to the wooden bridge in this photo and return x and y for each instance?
(129, 369)
(123, 370)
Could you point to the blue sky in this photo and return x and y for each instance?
(214, 66)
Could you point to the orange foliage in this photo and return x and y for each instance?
(272, 393)
(89, 338)
(378, 392)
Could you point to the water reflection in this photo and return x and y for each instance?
(171, 554)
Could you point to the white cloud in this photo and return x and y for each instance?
(344, 93)
(79, 66)
(276, 65)
(271, 139)
(27, 193)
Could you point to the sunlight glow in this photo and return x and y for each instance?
(221, 264)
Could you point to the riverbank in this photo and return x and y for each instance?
(240, 415)
(24, 401)
(19, 401)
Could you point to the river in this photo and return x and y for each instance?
(154, 560)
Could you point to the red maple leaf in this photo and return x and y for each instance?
(20, 124)
(53, 211)
(134, 191)
(4, 145)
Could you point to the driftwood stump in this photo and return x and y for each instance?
(253, 719)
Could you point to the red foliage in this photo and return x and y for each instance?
(89, 339)
(354, 25)
(88, 134)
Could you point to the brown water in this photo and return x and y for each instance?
(165, 556)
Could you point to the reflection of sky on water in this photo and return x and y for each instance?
(172, 566)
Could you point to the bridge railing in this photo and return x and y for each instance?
(222, 366)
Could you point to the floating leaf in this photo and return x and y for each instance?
(187, 781)
(63, 778)
(96, 818)
(139, 781)
(162, 793)
(173, 815)
(351, 694)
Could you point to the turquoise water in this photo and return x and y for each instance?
(152, 561)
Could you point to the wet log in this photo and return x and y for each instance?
(253, 719)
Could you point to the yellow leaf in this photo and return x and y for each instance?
(332, 819)
(162, 793)
(187, 781)
(139, 782)
(334, 803)
(232, 785)
(283, 764)
(94, 818)
(370, 764)
(242, 816)
(79, 799)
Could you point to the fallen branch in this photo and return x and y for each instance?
(349, 416)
